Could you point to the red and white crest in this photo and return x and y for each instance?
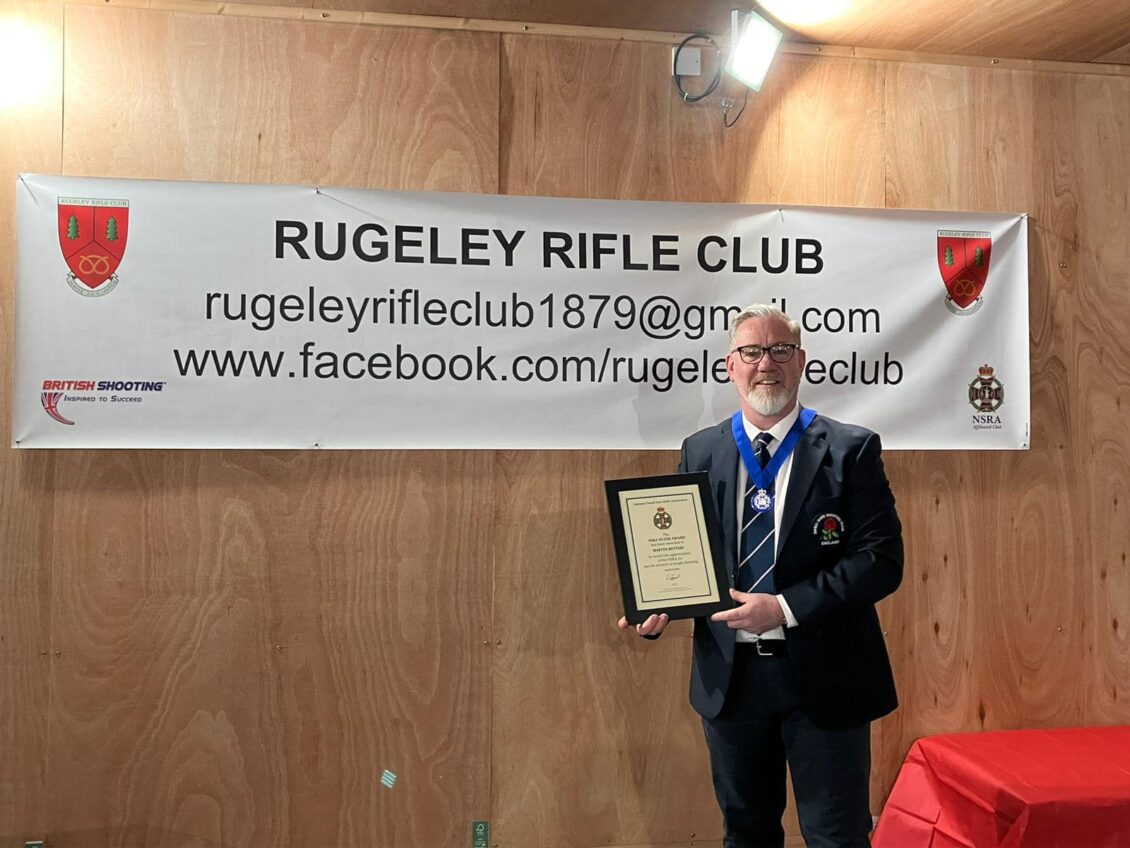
(92, 236)
(963, 259)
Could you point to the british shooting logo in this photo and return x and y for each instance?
(963, 259)
(92, 236)
(50, 401)
(113, 392)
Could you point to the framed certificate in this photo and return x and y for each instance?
(668, 546)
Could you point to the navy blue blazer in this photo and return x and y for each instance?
(839, 552)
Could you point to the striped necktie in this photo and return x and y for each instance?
(758, 550)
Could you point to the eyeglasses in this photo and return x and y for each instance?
(779, 352)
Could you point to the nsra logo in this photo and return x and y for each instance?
(986, 393)
(662, 519)
(92, 236)
(963, 259)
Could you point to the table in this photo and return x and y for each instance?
(1013, 789)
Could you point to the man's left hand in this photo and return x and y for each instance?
(758, 612)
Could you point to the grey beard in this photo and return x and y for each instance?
(767, 403)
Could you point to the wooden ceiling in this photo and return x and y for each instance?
(1063, 30)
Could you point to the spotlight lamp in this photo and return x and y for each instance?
(753, 44)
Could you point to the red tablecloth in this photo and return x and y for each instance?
(1015, 789)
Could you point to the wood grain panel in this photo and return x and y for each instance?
(594, 742)
(928, 621)
(602, 119)
(830, 118)
(899, 619)
(1034, 643)
(277, 101)
(959, 138)
(30, 136)
(251, 639)
(794, 143)
(1053, 254)
(1100, 322)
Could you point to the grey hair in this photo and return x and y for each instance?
(762, 310)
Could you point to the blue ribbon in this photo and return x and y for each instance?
(763, 478)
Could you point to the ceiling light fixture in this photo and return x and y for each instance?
(753, 44)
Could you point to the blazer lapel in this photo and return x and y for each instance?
(807, 457)
(725, 462)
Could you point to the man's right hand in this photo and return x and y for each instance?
(652, 626)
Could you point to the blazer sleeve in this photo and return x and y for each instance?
(872, 564)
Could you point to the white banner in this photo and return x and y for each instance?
(209, 315)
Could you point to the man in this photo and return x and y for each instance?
(797, 670)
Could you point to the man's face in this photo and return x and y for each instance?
(769, 387)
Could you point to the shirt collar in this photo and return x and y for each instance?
(778, 431)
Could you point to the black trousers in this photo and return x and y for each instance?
(760, 728)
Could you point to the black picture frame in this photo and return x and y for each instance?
(678, 569)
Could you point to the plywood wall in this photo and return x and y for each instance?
(228, 648)
(32, 135)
